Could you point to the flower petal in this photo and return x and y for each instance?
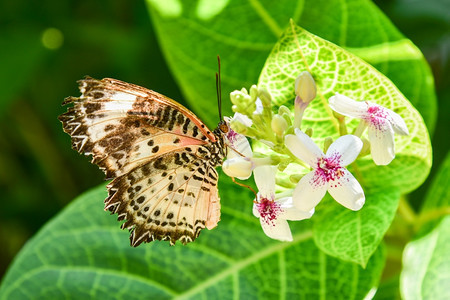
(398, 124)
(289, 212)
(308, 192)
(255, 210)
(277, 229)
(347, 191)
(303, 147)
(239, 167)
(265, 180)
(382, 144)
(348, 147)
(259, 107)
(239, 146)
(243, 119)
(347, 106)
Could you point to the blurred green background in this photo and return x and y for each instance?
(46, 46)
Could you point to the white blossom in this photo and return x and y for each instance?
(329, 172)
(273, 213)
(382, 124)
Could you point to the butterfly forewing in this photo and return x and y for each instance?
(160, 156)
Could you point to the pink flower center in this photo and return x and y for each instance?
(377, 116)
(232, 135)
(268, 210)
(328, 169)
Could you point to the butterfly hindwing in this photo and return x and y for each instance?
(160, 156)
(161, 200)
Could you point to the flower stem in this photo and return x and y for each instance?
(360, 129)
(298, 115)
(342, 126)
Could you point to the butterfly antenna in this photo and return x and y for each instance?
(219, 89)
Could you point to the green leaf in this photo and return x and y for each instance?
(82, 254)
(192, 33)
(426, 265)
(354, 236)
(438, 194)
(336, 70)
(345, 234)
(388, 290)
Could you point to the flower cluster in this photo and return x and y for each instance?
(286, 144)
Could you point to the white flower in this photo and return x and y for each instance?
(273, 213)
(382, 123)
(259, 107)
(241, 118)
(329, 172)
(238, 163)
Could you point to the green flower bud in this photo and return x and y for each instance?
(295, 178)
(265, 97)
(287, 118)
(242, 102)
(283, 110)
(279, 125)
(239, 127)
(305, 87)
(309, 131)
(327, 143)
(253, 92)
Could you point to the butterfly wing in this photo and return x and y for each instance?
(160, 156)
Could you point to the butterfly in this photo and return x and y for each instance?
(160, 156)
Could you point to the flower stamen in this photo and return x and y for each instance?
(268, 210)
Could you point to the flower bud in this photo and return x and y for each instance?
(327, 143)
(265, 97)
(279, 125)
(239, 126)
(309, 131)
(287, 118)
(241, 101)
(305, 87)
(295, 178)
(253, 92)
(240, 167)
(283, 110)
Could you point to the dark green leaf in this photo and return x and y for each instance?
(82, 254)
(354, 236)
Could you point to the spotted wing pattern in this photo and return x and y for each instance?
(161, 158)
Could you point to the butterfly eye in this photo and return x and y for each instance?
(224, 127)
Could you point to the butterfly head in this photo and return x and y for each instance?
(224, 127)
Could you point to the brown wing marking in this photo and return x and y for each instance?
(163, 200)
(122, 125)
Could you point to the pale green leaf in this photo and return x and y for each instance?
(354, 236)
(337, 70)
(426, 265)
(193, 32)
(83, 254)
